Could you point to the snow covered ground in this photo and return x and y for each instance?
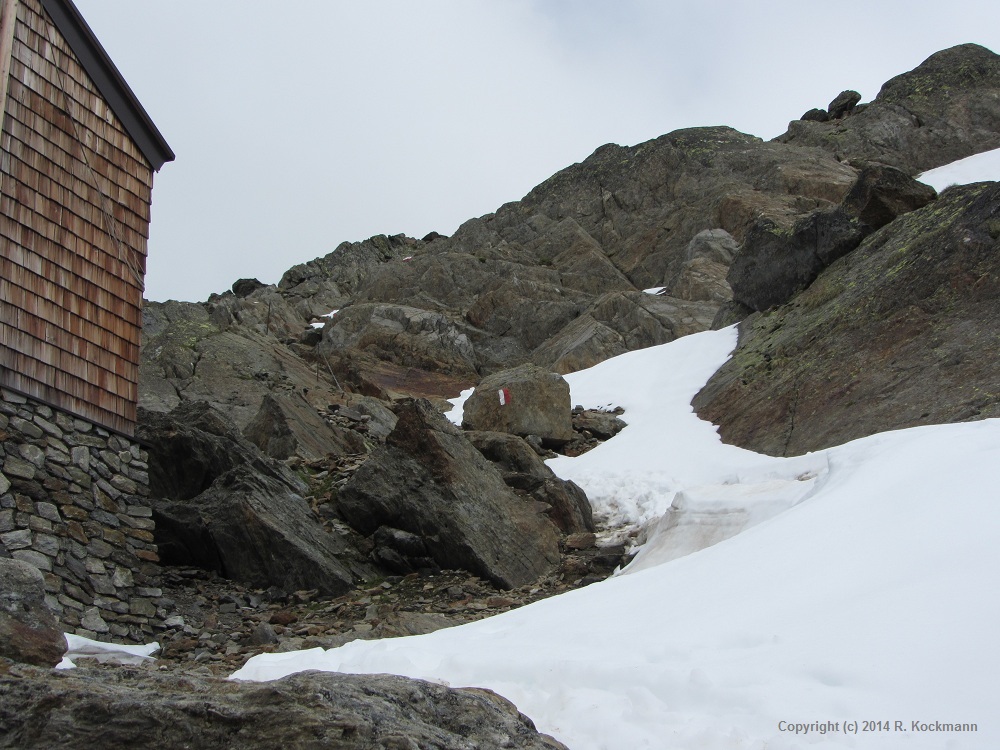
(853, 605)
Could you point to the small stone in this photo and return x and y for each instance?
(92, 620)
(48, 511)
(26, 428)
(102, 585)
(262, 635)
(283, 617)
(497, 602)
(47, 426)
(32, 453)
(46, 544)
(124, 484)
(20, 539)
(100, 548)
(39, 524)
(81, 457)
(584, 540)
(142, 607)
(32, 557)
(20, 468)
(122, 578)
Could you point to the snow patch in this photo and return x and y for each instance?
(976, 168)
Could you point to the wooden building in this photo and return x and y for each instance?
(78, 157)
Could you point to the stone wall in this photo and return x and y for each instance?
(73, 503)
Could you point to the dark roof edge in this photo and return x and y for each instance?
(109, 81)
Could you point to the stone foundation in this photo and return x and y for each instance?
(73, 503)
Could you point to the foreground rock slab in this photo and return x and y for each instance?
(134, 708)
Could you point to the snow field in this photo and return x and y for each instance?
(858, 584)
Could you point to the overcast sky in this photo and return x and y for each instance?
(303, 123)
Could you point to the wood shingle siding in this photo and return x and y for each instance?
(75, 192)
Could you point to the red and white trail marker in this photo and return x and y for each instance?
(504, 396)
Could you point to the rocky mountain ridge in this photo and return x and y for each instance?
(296, 443)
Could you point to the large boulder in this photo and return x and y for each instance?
(843, 104)
(429, 481)
(565, 502)
(29, 632)
(129, 709)
(883, 193)
(222, 505)
(527, 400)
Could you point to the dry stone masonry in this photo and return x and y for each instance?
(73, 503)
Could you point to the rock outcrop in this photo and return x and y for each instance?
(775, 262)
(130, 708)
(555, 279)
(945, 109)
(900, 332)
(430, 482)
(287, 425)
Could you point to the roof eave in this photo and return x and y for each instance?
(109, 81)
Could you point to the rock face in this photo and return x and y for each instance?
(526, 400)
(29, 632)
(900, 332)
(775, 262)
(221, 505)
(555, 279)
(429, 481)
(945, 109)
(131, 708)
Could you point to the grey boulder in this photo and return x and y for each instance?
(526, 400)
(29, 632)
(429, 481)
